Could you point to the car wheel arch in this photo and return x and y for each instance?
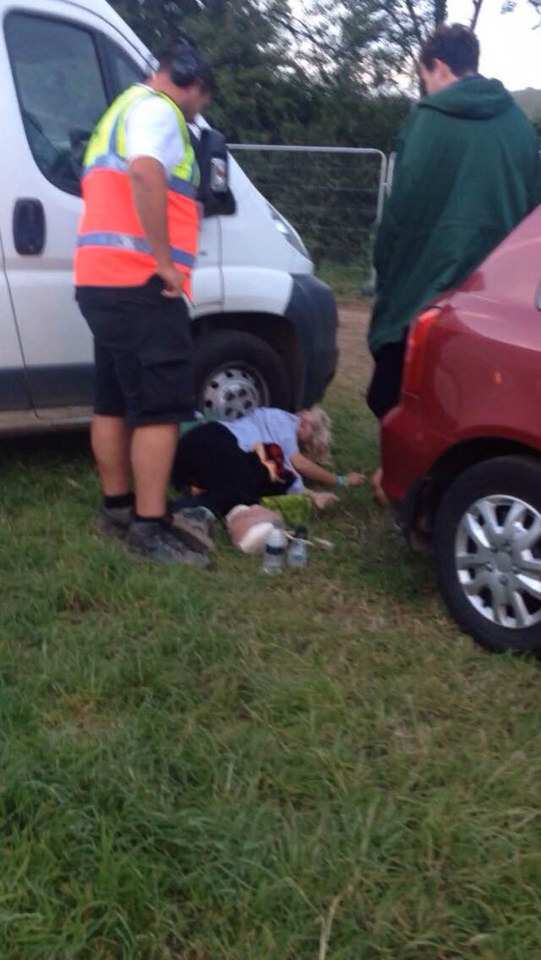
(454, 461)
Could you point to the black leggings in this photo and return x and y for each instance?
(209, 457)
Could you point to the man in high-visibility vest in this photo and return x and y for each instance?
(136, 248)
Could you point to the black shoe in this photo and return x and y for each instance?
(157, 541)
(114, 522)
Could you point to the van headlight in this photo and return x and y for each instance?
(284, 227)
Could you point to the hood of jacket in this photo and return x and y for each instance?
(472, 97)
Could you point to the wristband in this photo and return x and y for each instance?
(341, 481)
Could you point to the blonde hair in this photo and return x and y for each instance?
(317, 445)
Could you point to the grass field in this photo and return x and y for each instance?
(221, 767)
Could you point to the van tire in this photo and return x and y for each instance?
(234, 372)
(484, 518)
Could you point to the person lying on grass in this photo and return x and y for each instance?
(268, 452)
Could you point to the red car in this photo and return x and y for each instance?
(461, 452)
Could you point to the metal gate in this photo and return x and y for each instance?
(333, 196)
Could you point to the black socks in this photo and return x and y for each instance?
(128, 500)
(124, 500)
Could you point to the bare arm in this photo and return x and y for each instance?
(321, 498)
(149, 187)
(312, 471)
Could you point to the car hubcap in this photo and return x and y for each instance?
(498, 560)
(233, 391)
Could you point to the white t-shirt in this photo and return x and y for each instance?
(269, 425)
(152, 130)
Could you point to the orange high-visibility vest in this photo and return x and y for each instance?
(112, 249)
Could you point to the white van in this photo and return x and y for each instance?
(264, 327)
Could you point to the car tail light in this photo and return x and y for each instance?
(415, 351)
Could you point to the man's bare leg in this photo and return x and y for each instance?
(151, 535)
(152, 452)
(110, 438)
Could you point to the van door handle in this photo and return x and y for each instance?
(29, 226)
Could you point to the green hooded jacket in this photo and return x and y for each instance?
(467, 171)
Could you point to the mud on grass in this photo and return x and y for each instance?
(222, 767)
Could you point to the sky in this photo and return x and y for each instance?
(510, 47)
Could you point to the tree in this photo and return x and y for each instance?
(248, 45)
(381, 41)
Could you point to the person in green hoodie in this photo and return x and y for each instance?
(467, 171)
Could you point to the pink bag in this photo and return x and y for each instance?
(249, 527)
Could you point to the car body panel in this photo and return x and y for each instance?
(481, 374)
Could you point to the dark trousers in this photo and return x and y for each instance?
(209, 457)
(385, 386)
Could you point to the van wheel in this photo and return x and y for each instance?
(487, 546)
(236, 372)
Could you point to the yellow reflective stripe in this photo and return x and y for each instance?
(99, 144)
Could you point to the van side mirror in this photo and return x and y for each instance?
(214, 192)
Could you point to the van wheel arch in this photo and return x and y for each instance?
(235, 372)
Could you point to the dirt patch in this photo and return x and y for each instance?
(355, 360)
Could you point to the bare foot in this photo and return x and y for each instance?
(379, 495)
(323, 500)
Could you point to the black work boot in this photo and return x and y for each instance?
(155, 540)
(114, 522)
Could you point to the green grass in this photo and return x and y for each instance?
(220, 766)
(346, 279)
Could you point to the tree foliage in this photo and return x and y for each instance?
(388, 35)
(327, 76)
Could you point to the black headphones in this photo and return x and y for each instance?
(185, 67)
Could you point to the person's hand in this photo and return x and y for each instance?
(322, 500)
(355, 479)
(173, 281)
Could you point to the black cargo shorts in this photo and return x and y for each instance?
(143, 353)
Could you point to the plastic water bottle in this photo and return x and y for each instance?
(275, 547)
(297, 555)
